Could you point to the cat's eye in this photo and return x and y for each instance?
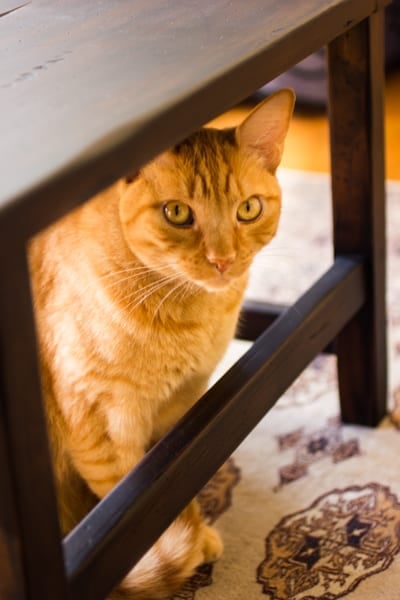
(178, 213)
(250, 209)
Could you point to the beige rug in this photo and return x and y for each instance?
(310, 509)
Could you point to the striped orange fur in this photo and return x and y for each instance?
(137, 295)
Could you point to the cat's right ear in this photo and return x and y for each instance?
(265, 129)
(165, 158)
(124, 183)
(131, 177)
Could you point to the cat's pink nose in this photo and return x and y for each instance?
(221, 264)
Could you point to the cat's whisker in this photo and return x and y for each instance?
(172, 291)
(138, 297)
(137, 268)
(106, 260)
(142, 291)
(137, 279)
(129, 271)
(135, 274)
(190, 290)
(147, 290)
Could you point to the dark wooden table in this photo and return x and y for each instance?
(90, 90)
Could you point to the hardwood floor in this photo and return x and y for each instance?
(307, 145)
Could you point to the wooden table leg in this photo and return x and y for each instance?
(33, 536)
(12, 584)
(356, 87)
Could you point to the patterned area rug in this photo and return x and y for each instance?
(310, 509)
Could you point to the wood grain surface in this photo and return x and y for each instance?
(90, 90)
(358, 188)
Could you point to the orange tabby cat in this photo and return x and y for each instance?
(137, 295)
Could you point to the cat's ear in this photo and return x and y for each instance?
(130, 177)
(124, 183)
(265, 129)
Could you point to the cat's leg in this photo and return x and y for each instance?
(75, 499)
(168, 414)
(103, 449)
(108, 438)
(186, 544)
(103, 461)
(185, 397)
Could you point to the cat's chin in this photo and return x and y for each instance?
(216, 284)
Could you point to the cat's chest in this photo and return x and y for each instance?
(163, 350)
(174, 346)
(195, 343)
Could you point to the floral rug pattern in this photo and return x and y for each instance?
(309, 509)
(326, 550)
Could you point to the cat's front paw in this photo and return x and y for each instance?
(212, 545)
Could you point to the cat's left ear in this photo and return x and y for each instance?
(265, 129)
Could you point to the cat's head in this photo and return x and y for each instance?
(204, 208)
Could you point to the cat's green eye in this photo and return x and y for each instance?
(178, 213)
(250, 209)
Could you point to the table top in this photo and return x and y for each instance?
(92, 89)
